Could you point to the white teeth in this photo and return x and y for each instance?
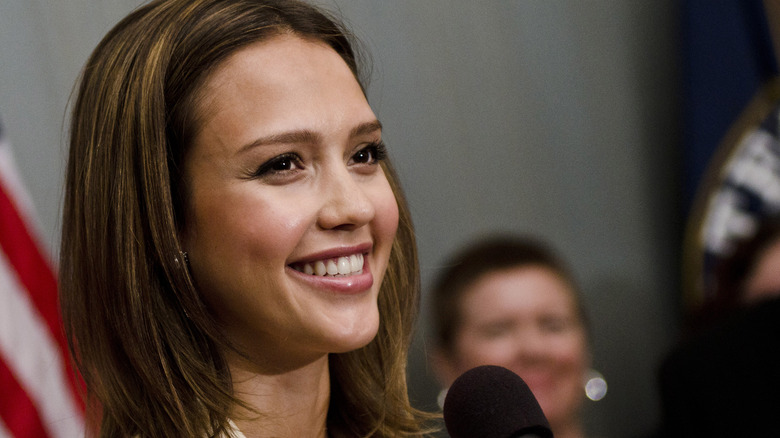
(344, 266)
(333, 268)
(356, 262)
(339, 266)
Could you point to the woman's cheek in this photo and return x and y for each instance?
(387, 211)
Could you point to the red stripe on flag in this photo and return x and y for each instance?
(36, 276)
(17, 411)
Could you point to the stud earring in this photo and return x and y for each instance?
(440, 398)
(181, 257)
(595, 385)
(178, 259)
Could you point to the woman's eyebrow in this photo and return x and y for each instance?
(307, 136)
(302, 136)
(365, 128)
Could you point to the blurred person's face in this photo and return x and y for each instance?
(764, 279)
(525, 319)
(290, 216)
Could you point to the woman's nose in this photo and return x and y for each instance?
(346, 204)
(530, 345)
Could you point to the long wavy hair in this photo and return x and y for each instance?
(145, 343)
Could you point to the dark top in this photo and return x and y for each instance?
(726, 382)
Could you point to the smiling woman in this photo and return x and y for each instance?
(237, 256)
(510, 301)
(311, 192)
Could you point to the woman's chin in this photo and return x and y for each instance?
(355, 341)
(352, 333)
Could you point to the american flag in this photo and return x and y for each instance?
(38, 388)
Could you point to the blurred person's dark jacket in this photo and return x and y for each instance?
(726, 381)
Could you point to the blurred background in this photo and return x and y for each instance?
(563, 119)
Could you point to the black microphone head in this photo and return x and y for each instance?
(493, 402)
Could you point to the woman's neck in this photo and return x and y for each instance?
(292, 403)
(570, 429)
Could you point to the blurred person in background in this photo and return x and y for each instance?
(510, 301)
(723, 379)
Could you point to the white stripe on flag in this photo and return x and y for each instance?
(11, 181)
(27, 348)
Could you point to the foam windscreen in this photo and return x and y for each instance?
(493, 402)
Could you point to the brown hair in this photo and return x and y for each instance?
(481, 257)
(146, 344)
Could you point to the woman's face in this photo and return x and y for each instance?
(764, 279)
(290, 217)
(525, 319)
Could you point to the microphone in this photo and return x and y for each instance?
(493, 402)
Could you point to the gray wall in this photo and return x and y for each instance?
(557, 118)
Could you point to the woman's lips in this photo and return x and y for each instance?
(358, 278)
(337, 266)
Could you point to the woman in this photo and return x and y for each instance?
(237, 256)
(509, 301)
(739, 278)
(721, 378)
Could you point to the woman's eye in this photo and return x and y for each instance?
(371, 154)
(284, 163)
(494, 331)
(554, 324)
(280, 164)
